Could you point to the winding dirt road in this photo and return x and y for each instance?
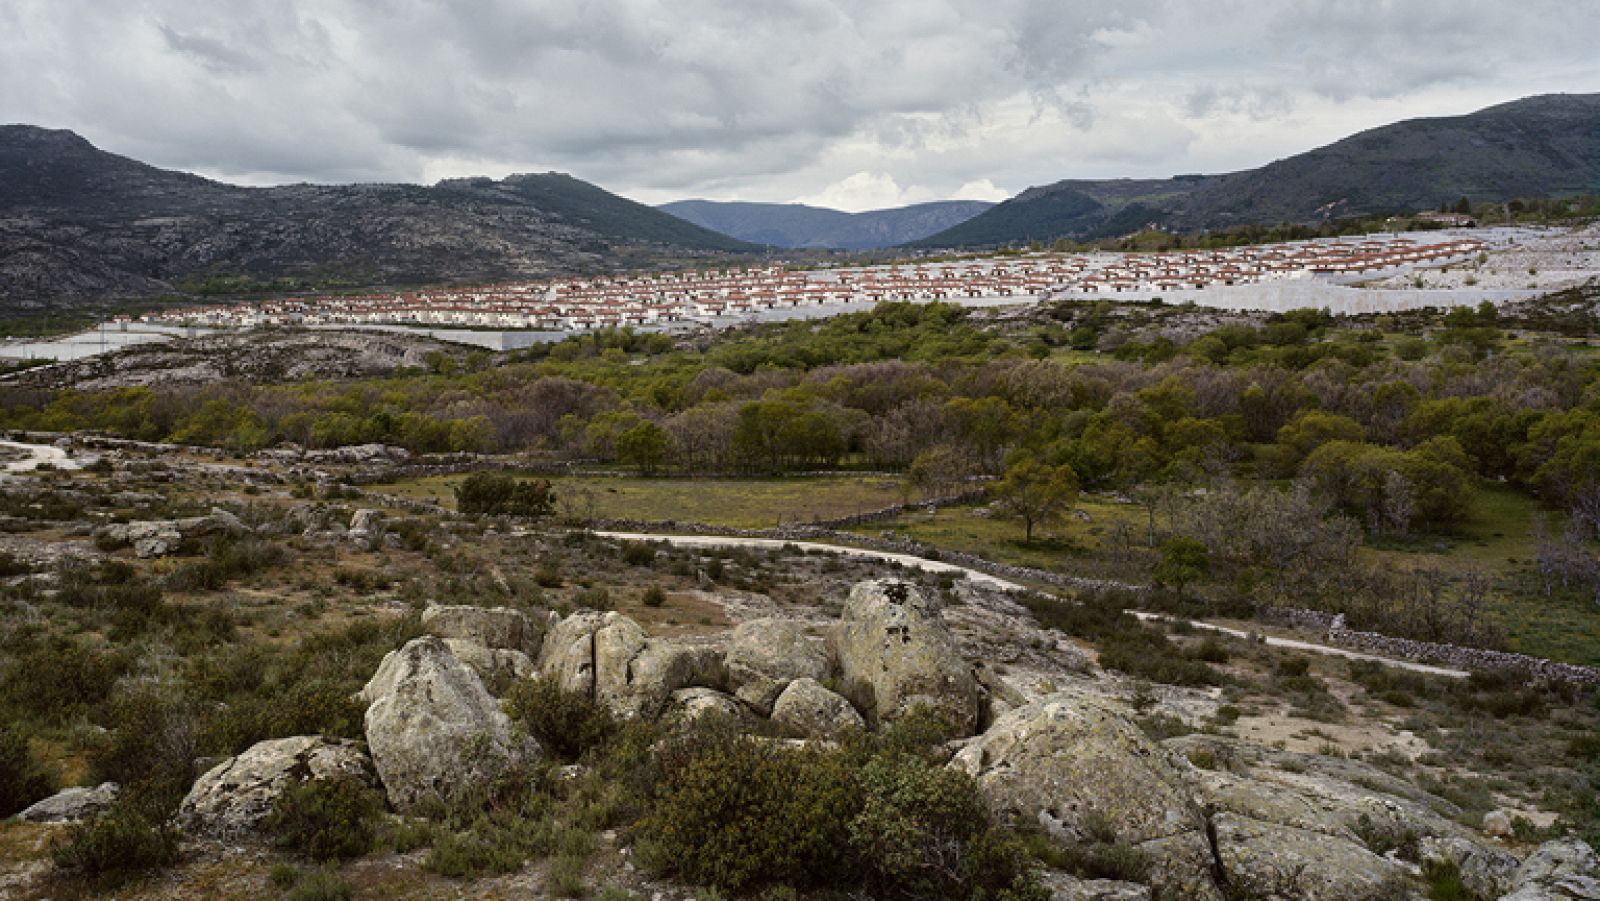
(983, 578)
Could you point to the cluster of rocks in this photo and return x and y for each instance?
(1215, 817)
(160, 537)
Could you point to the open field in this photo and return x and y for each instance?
(737, 503)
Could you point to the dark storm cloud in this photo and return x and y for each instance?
(857, 103)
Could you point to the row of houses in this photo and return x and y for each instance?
(661, 298)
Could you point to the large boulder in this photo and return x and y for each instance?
(232, 798)
(688, 706)
(160, 537)
(366, 528)
(434, 730)
(765, 655)
(1485, 871)
(1566, 869)
(71, 805)
(1063, 887)
(611, 658)
(1341, 798)
(497, 667)
(496, 628)
(567, 654)
(1076, 767)
(1267, 860)
(813, 711)
(644, 685)
(896, 653)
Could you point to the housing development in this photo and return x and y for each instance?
(662, 298)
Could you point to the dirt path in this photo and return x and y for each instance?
(983, 578)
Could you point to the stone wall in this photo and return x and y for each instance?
(1333, 627)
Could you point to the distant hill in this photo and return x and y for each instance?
(78, 223)
(1536, 147)
(798, 225)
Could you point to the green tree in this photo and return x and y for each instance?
(1183, 560)
(644, 446)
(1035, 493)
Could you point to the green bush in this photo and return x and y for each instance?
(116, 845)
(733, 811)
(736, 812)
(638, 553)
(22, 779)
(653, 596)
(499, 494)
(324, 884)
(565, 723)
(226, 559)
(326, 819)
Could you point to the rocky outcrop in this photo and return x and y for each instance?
(1076, 767)
(500, 628)
(1267, 860)
(688, 706)
(811, 710)
(232, 799)
(896, 653)
(71, 805)
(765, 655)
(1566, 869)
(611, 658)
(366, 528)
(497, 667)
(434, 730)
(160, 537)
(1063, 887)
(1485, 871)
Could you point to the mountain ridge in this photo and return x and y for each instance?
(78, 223)
(797, 225)
(1544, 145)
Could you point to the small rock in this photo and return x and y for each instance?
(71, 805)
(765, 655)
(1498, 824)
(815, 712)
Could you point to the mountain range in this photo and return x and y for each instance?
(78, 223)
(1540, 146)
(796, 225)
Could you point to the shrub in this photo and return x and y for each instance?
(653, 596)
(22, 780)
(326, 819)
(116, 845)
(226, 559)
(324, 884)
(149, 743)
(566, 723)
(638, 553)
(912, 814)
(499, 494)
(735, 812)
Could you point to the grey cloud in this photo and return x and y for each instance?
(764, 100)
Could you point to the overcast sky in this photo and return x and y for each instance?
(855, 105)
